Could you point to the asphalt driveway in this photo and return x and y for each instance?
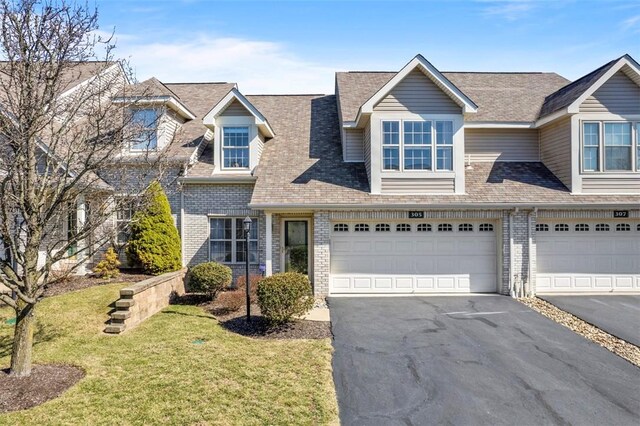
(618, 315)
(472, 360)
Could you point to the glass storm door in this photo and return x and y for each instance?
(296, 246)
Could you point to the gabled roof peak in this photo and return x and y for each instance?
(420, 63)
(571, 95)
(234, 94)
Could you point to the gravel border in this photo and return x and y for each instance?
(618, 346)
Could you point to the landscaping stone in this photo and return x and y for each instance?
(618, 346)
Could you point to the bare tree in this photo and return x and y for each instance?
(58, 140)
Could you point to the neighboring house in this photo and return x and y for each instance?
(419, 181)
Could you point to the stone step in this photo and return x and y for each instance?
(114, 328)
(120, 315)
(125, 303)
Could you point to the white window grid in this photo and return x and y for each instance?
(486, 227)
(362, 227)
(441, 142)
(589, 140)
(383, 227)
(341, 227)
(561, 227)
(403, 227)
(465, 227)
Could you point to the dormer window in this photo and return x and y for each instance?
(235, 147)
(610, 146)
(145, 122)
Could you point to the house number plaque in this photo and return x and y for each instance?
(416, 215)
(620, 213)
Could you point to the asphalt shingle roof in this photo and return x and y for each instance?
(199, 98)
(503, 97)
(303, 165)
(566, 95)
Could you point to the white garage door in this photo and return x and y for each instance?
(403, 257)
(593, 256)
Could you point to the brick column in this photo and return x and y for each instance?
(321, 261)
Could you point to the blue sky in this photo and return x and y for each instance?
(296, 46)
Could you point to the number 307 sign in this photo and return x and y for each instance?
(621, 213)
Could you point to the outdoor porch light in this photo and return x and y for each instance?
(246, 226)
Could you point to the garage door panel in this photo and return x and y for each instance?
(594, 261)
(413, 262)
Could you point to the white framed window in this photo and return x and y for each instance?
(610, 146)
(444, 143)
(562, 227)
(124, 214)
(465, 227)
(424, 227)
(145, 123)
(542, 227)
(362, 227)
(383, 227)
(421, 145)
(235, 147)
(227, 242)
(582, 227)
(617, 147)
(417, 145)
(391, 145)
(341, 227)
(602, 227)
(591, 147)
(486, 227)
(403, 227)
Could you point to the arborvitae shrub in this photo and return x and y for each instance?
(154, 244)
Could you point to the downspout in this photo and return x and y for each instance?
(182, 216)
(514, 291)
(528, 288)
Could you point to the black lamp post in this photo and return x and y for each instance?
(246, 226)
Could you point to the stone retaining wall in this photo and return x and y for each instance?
(141, 300)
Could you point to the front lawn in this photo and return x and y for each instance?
(178, 367)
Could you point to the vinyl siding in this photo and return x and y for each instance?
(489, 145)
(419, 95)
(260, 146)
(235, 109)
(168, 125)
(619, 95)
(555, 149)
(353, 145)
(603, 185)
(417, 186)
(366, 147)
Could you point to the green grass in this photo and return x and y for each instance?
(158, 373)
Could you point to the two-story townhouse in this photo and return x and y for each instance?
(416, 181)
(421, 181)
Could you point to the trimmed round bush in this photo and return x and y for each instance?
(283, 296)
(210, 278)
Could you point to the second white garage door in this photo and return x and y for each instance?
(588, 256)
(403, 257)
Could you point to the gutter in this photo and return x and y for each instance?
(218, 179)
(430, 206)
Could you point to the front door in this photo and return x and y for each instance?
(296, 246)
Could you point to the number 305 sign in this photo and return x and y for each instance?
(416, 215)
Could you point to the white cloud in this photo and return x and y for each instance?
(631, 23)
(511, 10)
(257, 66)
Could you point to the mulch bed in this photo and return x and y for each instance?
(74, 283)
(235, 321)
(45, 383)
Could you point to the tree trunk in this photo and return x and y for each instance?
(23, 340)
